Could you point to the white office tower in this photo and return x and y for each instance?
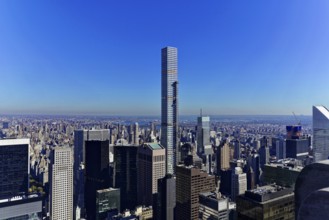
(61, 184)
(320, 133)
(239, 183)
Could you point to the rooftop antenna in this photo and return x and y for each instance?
(201, 112)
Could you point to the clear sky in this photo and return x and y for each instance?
(103, 57)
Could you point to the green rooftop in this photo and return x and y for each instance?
(155, 146)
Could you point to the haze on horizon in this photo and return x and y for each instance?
(234, 58)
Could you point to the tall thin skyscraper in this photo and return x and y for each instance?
(169, 106)
(61, 184)
(320, 133)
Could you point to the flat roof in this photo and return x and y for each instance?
(154, 146)
(8, 142)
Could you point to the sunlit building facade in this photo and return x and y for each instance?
(169, 106)
(320, 133)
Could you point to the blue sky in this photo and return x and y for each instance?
(103, 57)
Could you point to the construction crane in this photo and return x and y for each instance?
(299, 122)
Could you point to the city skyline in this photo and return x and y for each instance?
(241, 58)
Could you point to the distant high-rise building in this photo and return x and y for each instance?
(97, 173)
(61, 184)
(136, 134)
(251, 183)
(239, 183)
(320, 133)
(280, 149)
(151, 167)
(14, 167)
(164, 206)
(298, 148)
(125, 174)
(80, 138)
(264, 156)
(190, 183)
(169, 106)
(203, 133)
(223, 157)
(254, 162)
(237, 150)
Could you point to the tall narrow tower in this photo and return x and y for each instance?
(169, 106)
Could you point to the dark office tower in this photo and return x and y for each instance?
(190, 182)
(186, 150)
(237, 150)
(250, 179)
(264, 154)
(80, 136)
(266, 202)
(254, 162)
(225, 182)
(97, 173)
(298, 148)
(14, 167)
(125, 174)
(164, 208)
(266, 141)
(169, 106)
(151, 167)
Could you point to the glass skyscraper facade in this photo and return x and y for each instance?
(169, 106)
(14, 167)
(320, 133)
(203, 133)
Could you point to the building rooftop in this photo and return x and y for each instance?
(14, 141)
(107, 190)
(21, 197)
(269, 192)
(154, 146)
(287, 163)
(323, 110)
(262, 190)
